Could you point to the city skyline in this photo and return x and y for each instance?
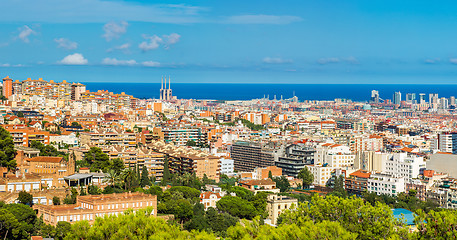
(256, 42)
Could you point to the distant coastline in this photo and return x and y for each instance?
(236, 91)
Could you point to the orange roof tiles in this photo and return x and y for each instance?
(46, 159)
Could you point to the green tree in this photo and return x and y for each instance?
(71, 199)
(270, 175)
(306, 176)
(25, 198)
(20, 114)
(56, 200)
(282, 183)
(166, 171)
(138, 225)
(75, 124)
(191, 143)
(436, 225)
(26, 218)
(95, 159)
(145, 180)
(93, 190)
(7, 151)
(9, 225)
(338, 189)
(62, 230)
(354, 214)
(236, 206)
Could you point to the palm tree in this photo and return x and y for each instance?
(112, 177)
(129, 177)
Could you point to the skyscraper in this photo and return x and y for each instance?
(397, 98)
(422, 98)
(7, 87)
(433, 100)
(374, 96)
(411, 98)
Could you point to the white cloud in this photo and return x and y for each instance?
(262, 19)
(328, 60)
(66, 43)
(453, 60)
(9, 65)
(25, 32)
(432, 60)
(171, 39)
(116, 62)
(352, 60)
(276, 60)
(150, 64)
(124, 47)
(74, 59)
(151, 43)
(114, 30)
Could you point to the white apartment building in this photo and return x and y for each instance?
(385, 184)
(321, 174)
(334, 155)
(402, 165)
(329, 157)
(227, 166)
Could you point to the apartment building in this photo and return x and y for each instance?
(386, 184)
(106, 137)
(357, 182)
(327, 158)
(90, 207)
(187, 160)
(249, 155)
(25, 135)
(278, 204)
(404, 165)
(295, 158)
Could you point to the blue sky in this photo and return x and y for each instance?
(230, 41)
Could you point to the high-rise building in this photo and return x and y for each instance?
(374, 96)
(452, 101)
(411, 98)
(397, 98)
(249, 155)
(7, 87)
(76, 90)
(433, 100)
(443, 103)
(422, 98)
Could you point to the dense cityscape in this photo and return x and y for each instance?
(72, 156)
(237, 120)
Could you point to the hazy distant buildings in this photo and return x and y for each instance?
(422, 98)
(397, 98)
(374, 96)
(411, 98)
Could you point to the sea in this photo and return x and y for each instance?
(227, 91)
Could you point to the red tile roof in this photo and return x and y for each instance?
(46, 159)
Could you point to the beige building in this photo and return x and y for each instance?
(187, 160)
(277, 204)
(92, 206)
(209, 199)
